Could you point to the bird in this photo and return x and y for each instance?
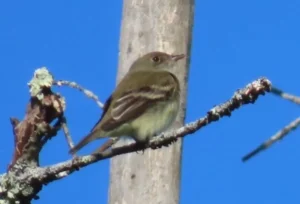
(144, 103)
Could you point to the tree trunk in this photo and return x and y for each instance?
(152, 25)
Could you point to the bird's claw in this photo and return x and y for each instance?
(165, 144)
(142, 147)
(143, 151)
(74, 160)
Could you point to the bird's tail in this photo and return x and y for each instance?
(87, 139)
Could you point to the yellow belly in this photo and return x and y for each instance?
(155, 121)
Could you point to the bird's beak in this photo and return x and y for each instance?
(177, 57)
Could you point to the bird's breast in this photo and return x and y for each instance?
(155, 120)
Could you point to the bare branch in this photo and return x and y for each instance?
(87, 92)
(244, 96)
(67, 133)
(23, 182)
(287, 96)
(278, 136)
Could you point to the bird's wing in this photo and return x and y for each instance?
(135, 101)
(105, 109)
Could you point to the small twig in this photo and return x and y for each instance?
(278, 136)
(287, 96)
(67, 133)
(87, 92)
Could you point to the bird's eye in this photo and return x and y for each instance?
(156, 59)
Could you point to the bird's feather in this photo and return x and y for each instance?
(123, 106)
(133, 102)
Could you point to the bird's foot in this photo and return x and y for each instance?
(141, 147)
(166, 143)
(74, 163)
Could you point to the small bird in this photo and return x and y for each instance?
(144, 103)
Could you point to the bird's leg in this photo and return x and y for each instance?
(166, 143)
(141, 145)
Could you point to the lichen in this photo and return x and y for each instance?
(42, 78)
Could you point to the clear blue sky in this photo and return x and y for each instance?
(234, 42)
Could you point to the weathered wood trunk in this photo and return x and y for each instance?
(152, 25)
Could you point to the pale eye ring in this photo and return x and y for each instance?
(155, 59)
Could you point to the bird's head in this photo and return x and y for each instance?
(155, 61)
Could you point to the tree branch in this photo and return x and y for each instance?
(278, 136)
(287, 96)
(30, 135)
(247, 95)
(74, 85)
(21, 183)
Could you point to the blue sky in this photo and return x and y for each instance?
(234, 42)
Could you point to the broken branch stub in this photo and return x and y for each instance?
(43, 108)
